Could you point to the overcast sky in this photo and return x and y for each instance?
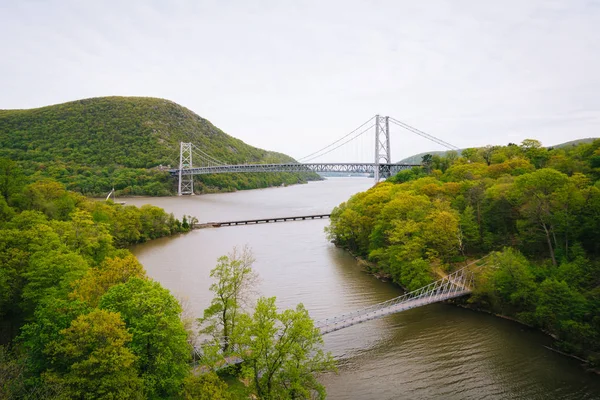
(292, 76)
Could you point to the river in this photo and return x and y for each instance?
(435, 352)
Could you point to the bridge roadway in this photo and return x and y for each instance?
(259, 221)
(385, 170)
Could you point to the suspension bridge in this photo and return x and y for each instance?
(457, 284)
(194, 161)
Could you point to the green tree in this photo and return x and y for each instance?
(159, 340)
(234, 280)
(205, 387)
(82, 234)
(557, 303)
(51, 317)
(49, 274)
(511, 281)
(11, 179)
(535, 192)
(427, 162)
(91, 360)
(487, 153)
(111, 272)
(535, 152)
(282, 352)
(469, 228)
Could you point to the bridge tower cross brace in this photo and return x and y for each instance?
(382, 145)
(186, 182)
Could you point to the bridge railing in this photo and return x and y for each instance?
(458, 282)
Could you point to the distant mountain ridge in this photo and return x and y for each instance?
(94, 144)
(416, 159)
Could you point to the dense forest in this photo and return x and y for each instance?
(535, 209)
(128, 143)
(79, 318)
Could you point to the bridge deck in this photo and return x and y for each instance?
(260, 221)
(384, 170)
(327, 327)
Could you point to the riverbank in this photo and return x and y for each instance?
(374, 270)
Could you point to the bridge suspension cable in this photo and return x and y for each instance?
(341, 144)
(205, 157)
(424, 134)
(319, 153)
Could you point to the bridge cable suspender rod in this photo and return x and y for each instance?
(340, 145)
(206, 156)
(423, 134)
(339, 140)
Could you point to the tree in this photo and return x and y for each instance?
(111, 272)
(487, 153)
(151, 314)
(51, 198)
(234, 280)
(557, 303)
(51, 317)
(471, 154)
(535, 192)
(535, 152)
(49, 274)
(205, 387)
(427, 162)
(512, 280)
(469, 228)
(11, 179)
(85, 236)
(91, 360)
(282, 352)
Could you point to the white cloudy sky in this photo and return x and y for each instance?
(293, 76)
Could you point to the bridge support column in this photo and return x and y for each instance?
(186, 181)
(382, 146)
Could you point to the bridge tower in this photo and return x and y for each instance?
(382, 145)
(186, 182)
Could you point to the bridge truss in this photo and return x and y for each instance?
(457, 284)
(383, 170)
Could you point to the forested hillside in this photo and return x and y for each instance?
(536, 209)
(96, 144)
(78, 316)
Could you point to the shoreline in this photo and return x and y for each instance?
(373, 270)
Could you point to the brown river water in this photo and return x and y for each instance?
(438, 351)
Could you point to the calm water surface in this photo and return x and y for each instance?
(434, 352)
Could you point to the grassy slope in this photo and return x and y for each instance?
(117, 141)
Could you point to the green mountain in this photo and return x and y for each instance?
(127, 143)
(416, 159)
(573, 143)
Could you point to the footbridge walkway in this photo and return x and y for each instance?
(457, 284)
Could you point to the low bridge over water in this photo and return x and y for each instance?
(259, 221)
